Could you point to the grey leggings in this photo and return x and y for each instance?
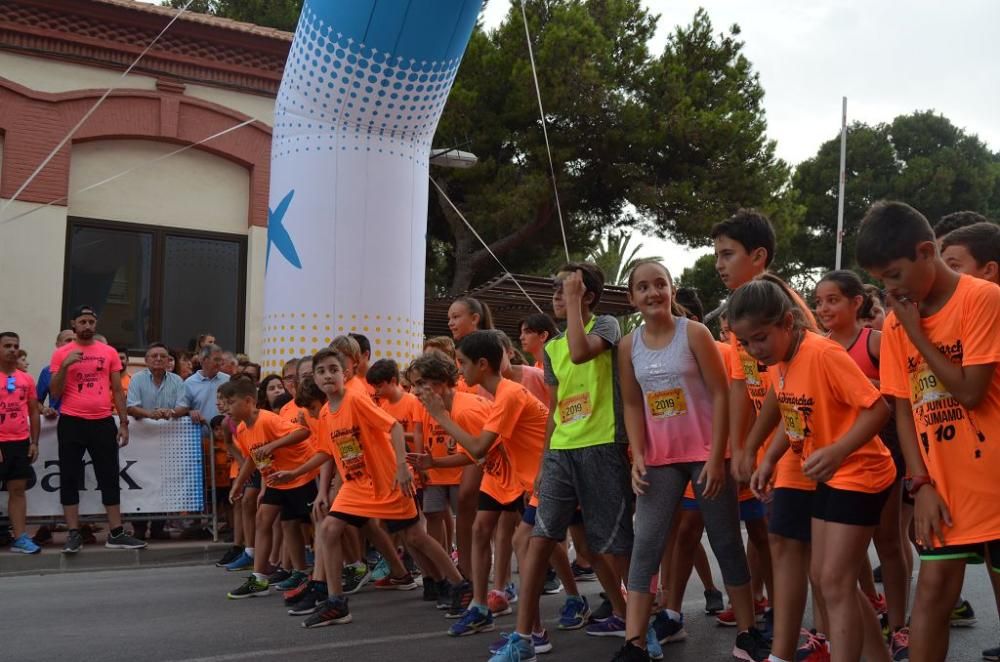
(654, 513)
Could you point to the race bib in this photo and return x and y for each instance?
(664, 404)
(750, 372)
(926, 387)
(795, 428)
(352, 456)
(575, 408)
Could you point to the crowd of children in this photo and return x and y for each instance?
(866, 418)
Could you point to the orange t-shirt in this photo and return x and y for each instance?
(520, 420)
(465, 409)
(959, 446)
(533, 379)
(289, 411)
(499, 480)
(408, 412)
(269, 427)
(223, 468)
(462, 387)
(757, 378)
(357, 436)
(820, 392)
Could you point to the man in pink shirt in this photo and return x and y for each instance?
(19, 426)
(83, 372)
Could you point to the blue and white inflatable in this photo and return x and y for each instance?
(363, 90)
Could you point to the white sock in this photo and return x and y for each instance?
(357, 565)
(260, 576)
(674, 616)
(775, 658)
(249, 551)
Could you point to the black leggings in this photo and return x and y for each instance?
(98, 438)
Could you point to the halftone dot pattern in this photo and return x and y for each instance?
(298, 334)
(338, 94)
(181, 466)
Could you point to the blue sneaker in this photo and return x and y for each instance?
(574, 613)
(653, 647)
(516, 649)
(25, 545)
(243, 562)
(668, 630)
(473, 620)
(511, 591)
(293, 581)
(613, 627)
(540, 640)
(381, 570)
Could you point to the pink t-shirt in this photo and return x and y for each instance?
(533, 379)
(14, 421)
(86, 392)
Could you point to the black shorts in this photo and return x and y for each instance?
(392, 525)
(296, 502)
(16, 464)
(979, 552)
(489, 504)
(254, 482)
(529, 512)
(849, 507)
(98, 439)
(790, 514)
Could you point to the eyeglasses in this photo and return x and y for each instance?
(11, 384)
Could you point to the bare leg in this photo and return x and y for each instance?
(266, 515)
(468, 503)
(17, 506)
(790, 590)
(938, 586)
(503, 548)
(482, 531)
(889, 544)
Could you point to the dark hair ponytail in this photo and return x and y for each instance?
(850, 286)
(477, 307)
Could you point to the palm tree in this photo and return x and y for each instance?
(617, 260)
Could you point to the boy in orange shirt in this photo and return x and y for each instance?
(270, 444)
(369, 449)
(939, 357)
(974, 250)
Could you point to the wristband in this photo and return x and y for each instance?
(913, 484)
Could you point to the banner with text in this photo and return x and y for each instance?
(160, 471)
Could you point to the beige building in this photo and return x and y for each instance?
(175, 247)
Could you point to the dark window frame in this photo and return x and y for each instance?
(159, 234)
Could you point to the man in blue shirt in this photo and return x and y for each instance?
(45, 378)
(154, 393)
(198, 399)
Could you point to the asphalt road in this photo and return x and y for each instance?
(182, 614)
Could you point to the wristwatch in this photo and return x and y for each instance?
(912, 484)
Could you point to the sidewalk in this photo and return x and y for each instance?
(160, 553)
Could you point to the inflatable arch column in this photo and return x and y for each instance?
(363, 89)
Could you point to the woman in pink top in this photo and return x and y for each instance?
(675, 397)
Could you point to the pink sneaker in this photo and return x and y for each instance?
(497, 603)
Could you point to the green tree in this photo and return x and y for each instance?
(703, 277)
(637, 140)
(921, 158)
(616, 256)
(281, 14)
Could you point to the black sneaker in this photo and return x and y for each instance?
(461, 596)
(552, 584)
(278, 576)
(713, 602)
(251, 588)
(411, 565)
(333, 611)
(603, 612)
(74, 542)
(231, 555)
(631, 653)
(354, 579)
(443, 594)
(123, 540)
(430, 590)
(751, 645)
(309, 601)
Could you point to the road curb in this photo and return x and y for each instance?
(97, 557)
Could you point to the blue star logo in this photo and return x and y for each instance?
(278, 235)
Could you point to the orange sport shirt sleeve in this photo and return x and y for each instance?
(980, 323)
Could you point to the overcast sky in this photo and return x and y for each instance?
(889, 57)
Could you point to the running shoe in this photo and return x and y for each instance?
(124, 541)
(728, 617)
(991, 654)
(540, 640)
(296, 579)
(751, 646)
(251, 588)
(515, 649)
(430, 590)
(878, 604)
(963, 616)
(498, 604)
(668, 630)
(511, 592)
(231, 555)
(472, 621)
(583, 573)
(552, 584)
(444, 594)
(899, 646)
(381, 569)
(603, 611)
(278, 576)
(309, 600)
(461, 596)
(74, 542)
(713, 601)
(404, 583)
(574, 613)
(334, 611)
(354, 578)
(631, 653)
(814, 649)
(653, 648)
(242, 562)
(23, 544)
(292, 597)
(612, 627)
